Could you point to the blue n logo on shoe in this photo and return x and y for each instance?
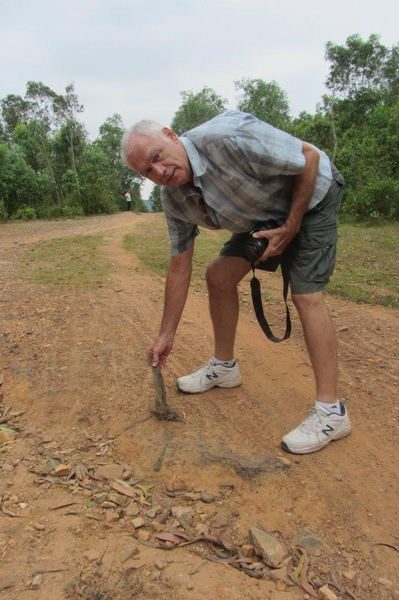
(213, 376)
(328, 429)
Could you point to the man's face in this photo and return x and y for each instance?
(162, 160)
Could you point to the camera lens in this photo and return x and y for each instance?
(254, 249)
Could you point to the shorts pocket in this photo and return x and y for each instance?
(312, 256)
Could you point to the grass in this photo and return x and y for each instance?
(74, 262)
(153, 250)
(86, 592)
(367, 268)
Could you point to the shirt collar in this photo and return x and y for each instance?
(197, 164)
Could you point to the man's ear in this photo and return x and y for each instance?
(170, 134)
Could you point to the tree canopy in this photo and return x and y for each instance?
(49, 168)
(197, 109)
(265, 100)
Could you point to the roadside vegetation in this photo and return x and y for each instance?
(50, 169)
(68, 262)
(367, 268)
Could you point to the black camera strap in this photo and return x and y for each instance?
(257, 302)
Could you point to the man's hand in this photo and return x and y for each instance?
(278, 240)
(159, 351)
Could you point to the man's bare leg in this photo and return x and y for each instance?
(223, 276)
(321, 342)
(328, 420)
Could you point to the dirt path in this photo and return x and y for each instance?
(76, 361)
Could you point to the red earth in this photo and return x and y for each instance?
(76, 391)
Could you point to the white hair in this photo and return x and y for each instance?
(144, 127)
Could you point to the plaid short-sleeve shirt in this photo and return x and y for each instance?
(244, 169)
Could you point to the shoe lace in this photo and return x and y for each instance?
(206, 369)
(311, 421)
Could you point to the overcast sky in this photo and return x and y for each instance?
(134, 57)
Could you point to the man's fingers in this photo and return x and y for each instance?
(152, 357)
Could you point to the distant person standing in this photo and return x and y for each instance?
(128, 201)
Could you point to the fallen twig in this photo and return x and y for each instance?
(387, 544)
(134, 424)
(158, 463)
(41, 571)
(63, 505)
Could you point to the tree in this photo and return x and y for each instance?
(363, 108)
(370, 163)
(357, 66)
(110, 135)
(391, 74)
(14, 110)
(109, 140)
(3, 136)
(94, 176)
(44, 125)
(69, 144)
(42, 101)
(66, 108)
(35, 145)
(315, 129)
(197, 109)
(18, 181)
(48, 165)
(363, 75)
(56, 114)
(137, 201)
(155, 199)
(265, 100)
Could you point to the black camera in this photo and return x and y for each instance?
(253, 248)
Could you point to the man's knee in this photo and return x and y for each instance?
(225, 272)
(307, 302)
(215, 274)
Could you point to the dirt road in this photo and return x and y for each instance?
(74, 360)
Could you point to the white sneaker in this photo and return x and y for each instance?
(210, 376)
(318, 429)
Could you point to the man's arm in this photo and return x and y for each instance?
(303, 189)
(301, 195)
(176, 290)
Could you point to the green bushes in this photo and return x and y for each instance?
(25, 213)
(3, 212)
(375, 200)
(55, 211)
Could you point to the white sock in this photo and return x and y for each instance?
(330, 408)
(225, 363)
